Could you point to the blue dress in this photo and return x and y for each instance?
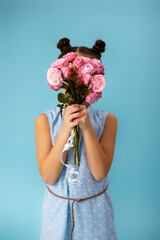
(93, 218)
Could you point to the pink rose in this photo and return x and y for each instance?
(93, 97)
(86, 59)
(59, 63)
(66, 71)
(70, 56)
(78, 78)
(86, 68)
(78, 61)
(54, 78)
(53, 87)
(85, 79)
(97, 83)
(98, 66)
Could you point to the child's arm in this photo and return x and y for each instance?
(48, 156)
(99, 154)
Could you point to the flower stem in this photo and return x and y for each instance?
(78, 146)
(75, 146)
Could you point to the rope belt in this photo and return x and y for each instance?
(78, 200)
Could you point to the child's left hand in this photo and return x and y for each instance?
(85, 120)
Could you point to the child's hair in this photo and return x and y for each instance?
(94, 52)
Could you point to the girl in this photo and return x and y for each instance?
(92, 215)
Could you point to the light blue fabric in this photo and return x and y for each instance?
(94, 218)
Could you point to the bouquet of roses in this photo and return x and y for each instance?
(83, 80)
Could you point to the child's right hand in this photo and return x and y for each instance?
(71, 116)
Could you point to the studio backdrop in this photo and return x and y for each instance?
(30, 31)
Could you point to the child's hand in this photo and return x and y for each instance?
(73, 115)
(85, 120)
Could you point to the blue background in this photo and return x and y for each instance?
(30, 31)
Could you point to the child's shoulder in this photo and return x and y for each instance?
(51, 110)
(102, 113)
(50, 114)
(99, 112)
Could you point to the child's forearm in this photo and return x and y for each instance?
(96, 158)
(51, 167)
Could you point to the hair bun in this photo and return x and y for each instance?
(63, 44)
(99, 46)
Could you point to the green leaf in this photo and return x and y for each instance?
(66, 80)
(72, 89)
(64, 86)
(94, 73)
(62, 98)
(61, 107)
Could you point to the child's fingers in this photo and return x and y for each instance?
(76, 115)
(75, 122)
(73, 108)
